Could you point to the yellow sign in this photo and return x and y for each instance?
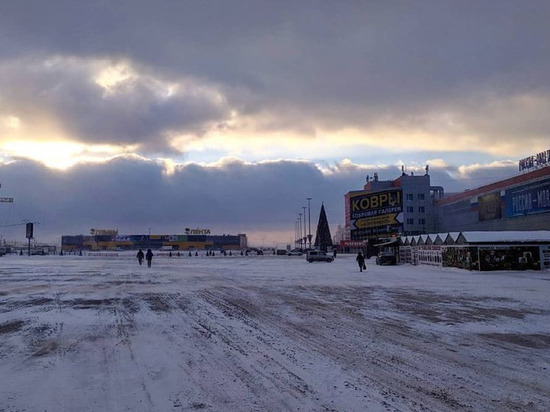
(383, 220)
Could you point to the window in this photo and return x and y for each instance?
(410, 209)
(410, 221)
(409, 196)
(421, 209)
(421, 196)
(421, 221)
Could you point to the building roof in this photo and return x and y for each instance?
(507, 237)
(545, 171)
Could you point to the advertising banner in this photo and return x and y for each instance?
(545, 257)
(375, 213)
(528, 199)
(489, 207)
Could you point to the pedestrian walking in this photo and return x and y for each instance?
(140, 256)
(361, 261)
(149, 256)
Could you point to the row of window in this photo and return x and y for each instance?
(421, 209)
(419, 196)
(410, 221)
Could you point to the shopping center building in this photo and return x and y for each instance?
(411, 206)
(193, 239)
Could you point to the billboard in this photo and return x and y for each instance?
(489, 207)
(528, 199)
(29, 231)
(375, 213)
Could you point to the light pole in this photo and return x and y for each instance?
(305, 228)
(309, 219)
(296, 234)
(300, 229)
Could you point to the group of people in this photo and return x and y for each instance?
(360, 259)
(148, 256)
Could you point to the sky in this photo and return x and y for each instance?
(161, 115)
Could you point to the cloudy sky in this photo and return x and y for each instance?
(227, 115)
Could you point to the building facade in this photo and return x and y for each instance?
(111, 240)
(410, 205)
(518, 203)
(391, 207)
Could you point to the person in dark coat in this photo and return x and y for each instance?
(361, 261)
(149, 256)
(140, 256)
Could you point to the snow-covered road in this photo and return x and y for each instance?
(269, 333)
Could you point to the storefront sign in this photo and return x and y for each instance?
(528, 199)
(545, 257)
(375, 213)
(189, 231)
(103, 232)
(534, 162)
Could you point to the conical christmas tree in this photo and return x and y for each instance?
(323, 239)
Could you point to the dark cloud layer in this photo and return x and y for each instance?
(133, 195)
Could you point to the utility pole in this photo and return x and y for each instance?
(300, 229)
(5, 199)
(309, 219)
(305, 228)
(296, 234)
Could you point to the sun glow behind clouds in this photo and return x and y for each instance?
(62, 155)
(110, 76)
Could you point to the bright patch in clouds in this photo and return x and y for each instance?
(112, 75)
(11, 122)
(59, 154)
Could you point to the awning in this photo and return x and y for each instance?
(388, 243)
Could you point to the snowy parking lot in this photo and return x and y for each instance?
(269, 333)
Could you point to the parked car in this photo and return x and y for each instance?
(318, 256)
(386, 258)
(295, 252)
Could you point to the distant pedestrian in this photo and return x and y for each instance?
(149, 256)
(140, 256)
(361, 261)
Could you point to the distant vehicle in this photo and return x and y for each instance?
(166, 248)
(318, 256)
(281, 252)
(386, 258)
(295, 252)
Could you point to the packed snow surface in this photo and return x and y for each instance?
(269, 333)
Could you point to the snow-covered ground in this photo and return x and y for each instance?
(269, 333)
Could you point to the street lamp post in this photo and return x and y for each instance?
(309, 219)
(296, 236)
(305, 228)
(300, 229)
